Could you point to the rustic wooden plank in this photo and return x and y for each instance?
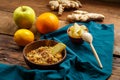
(7, 24)
(12, 53)
(116, 69)
(114, 77)
(38, 5)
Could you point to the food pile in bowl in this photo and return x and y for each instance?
(44, 54)
(75, 33)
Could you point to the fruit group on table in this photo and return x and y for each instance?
(23, 36)
(47, 22)
(24, 17)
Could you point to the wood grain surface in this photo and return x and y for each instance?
(10, 53)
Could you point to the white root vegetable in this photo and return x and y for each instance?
(54, 5)
(84, 16)
(60, 5)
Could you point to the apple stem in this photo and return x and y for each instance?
(22, 8)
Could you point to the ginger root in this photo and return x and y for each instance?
(84, 16)
(60, 5)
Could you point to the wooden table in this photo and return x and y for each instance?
(10, 53)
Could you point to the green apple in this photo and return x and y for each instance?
(24, 17)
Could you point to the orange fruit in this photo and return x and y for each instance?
(23, 36)
(47, 22)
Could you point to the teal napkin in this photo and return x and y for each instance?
(80, 63)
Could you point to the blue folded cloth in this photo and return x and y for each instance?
(80, 63)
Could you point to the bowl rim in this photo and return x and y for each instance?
(65, 54)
